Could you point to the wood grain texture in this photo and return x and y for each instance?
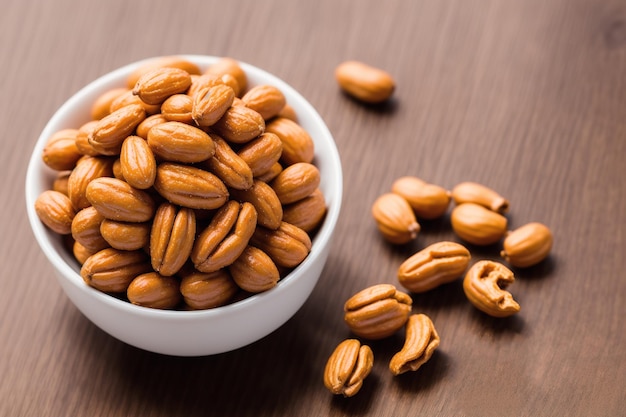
(527, 97)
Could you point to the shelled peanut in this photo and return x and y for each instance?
(188, 184)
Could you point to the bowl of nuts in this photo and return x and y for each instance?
(187, 203)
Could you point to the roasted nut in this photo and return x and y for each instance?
(86, 229)
(154, 290)
(189, 186)
(87, 169)
(61, 152)
(125, 236)
(112, 270)
(306, 213)
(478, 225)
(148, 123)
(273, 172)
(267, 100)
(109, 132)
(82, 138)
(296, 182)
(288, 245)
(81, 253)
(261, 153)
(60, 182)
(347, 367)
(527, 245)
(55, 210)
(171, 238)
(420, 343)
(207, 290)
(239, 124)
(229, 66)
(102, 106)
(254, 271)
(210, 104)
(117, 200)
(177, 108)
(437, 264)
(265, 201)
(156, 85)
(298, 146)
(364, 82)
(202, 82)
(128, 98)
(225, 238)
(428, 201)
(471, 192)
(228, 166)
(162, 62)
(484, 285)
(288, 112)
(180, 142)
(395, 218)
(137, 163)
(377, 311)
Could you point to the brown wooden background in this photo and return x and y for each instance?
(528, 97)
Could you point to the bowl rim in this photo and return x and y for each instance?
(43, 236)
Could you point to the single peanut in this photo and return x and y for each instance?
(437, 264)
(156, 85)
(56, 211)
(254, 271)
(527, 245)
(420, 342)
(395, 218)
(472, 192)
(377, 311)
(347, 367)
(478, 225)
(154, 290)
(364, 82)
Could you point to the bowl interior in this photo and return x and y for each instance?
(76, 111)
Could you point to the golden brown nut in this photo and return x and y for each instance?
(478, 225)
(154, 290)
(55, 210)
(420, 343)
(112, 270)
(437, 264)
(171, 238)
(347, 367)
(527, 245)
(395, 218)
(484, 286)
(207, 290)
(377, 311)
(364, 82)
(429, 201)
(472, 192)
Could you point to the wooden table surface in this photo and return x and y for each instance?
(527, 97)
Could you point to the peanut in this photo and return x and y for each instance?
(478, 225)
(395, 219)
(484, 286)
(347, 367)
(364, 82)
(437, 264)
(527, 245)
(377, 311)
(420, 343)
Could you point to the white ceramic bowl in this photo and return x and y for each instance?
(189, 333)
